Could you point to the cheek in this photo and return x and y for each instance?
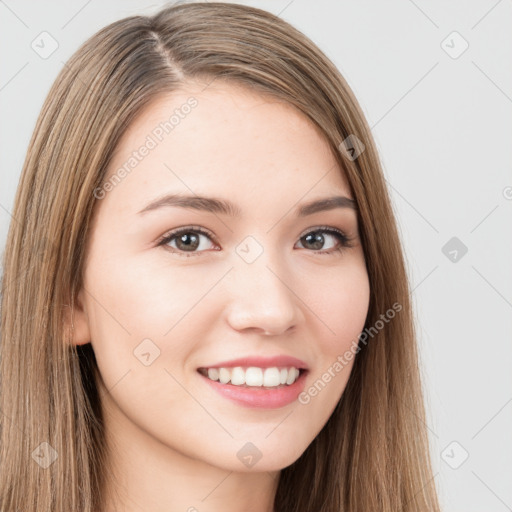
(340, 301)
(340, 314)
(136, 308)
(145, 297)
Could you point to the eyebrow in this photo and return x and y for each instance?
(225, 207)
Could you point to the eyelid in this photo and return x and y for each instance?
(176, 231)
(323, 228)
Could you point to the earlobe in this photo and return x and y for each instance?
(77, 322)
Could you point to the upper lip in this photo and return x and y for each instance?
(261, 362)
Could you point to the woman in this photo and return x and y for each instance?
(204, 301)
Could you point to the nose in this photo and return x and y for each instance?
(261, 298)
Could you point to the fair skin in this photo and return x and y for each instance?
(173, 439)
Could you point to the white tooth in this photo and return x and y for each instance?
(254, 376)
(224, 375)
(213, 373)
(237, 376)
(291, 375)
(271, 377)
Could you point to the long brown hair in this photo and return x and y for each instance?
(373, 452)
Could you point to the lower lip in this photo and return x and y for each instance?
(260, 397)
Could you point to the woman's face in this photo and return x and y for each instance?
(263, 283)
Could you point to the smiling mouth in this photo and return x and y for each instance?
(254, 377)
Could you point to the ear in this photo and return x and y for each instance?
(77, 322)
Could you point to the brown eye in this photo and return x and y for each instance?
(316, 240)
(185, 240)
(188, 241)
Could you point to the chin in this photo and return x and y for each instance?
(273, 459)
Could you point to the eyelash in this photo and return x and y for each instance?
(345, 241)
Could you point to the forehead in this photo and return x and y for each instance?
(225, 138)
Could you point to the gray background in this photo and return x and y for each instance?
(442, 124)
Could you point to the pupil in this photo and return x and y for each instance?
(318, 239)
(193, 240)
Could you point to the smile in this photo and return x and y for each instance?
(253, 376)
(256, 387)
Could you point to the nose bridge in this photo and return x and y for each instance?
(259, 294)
